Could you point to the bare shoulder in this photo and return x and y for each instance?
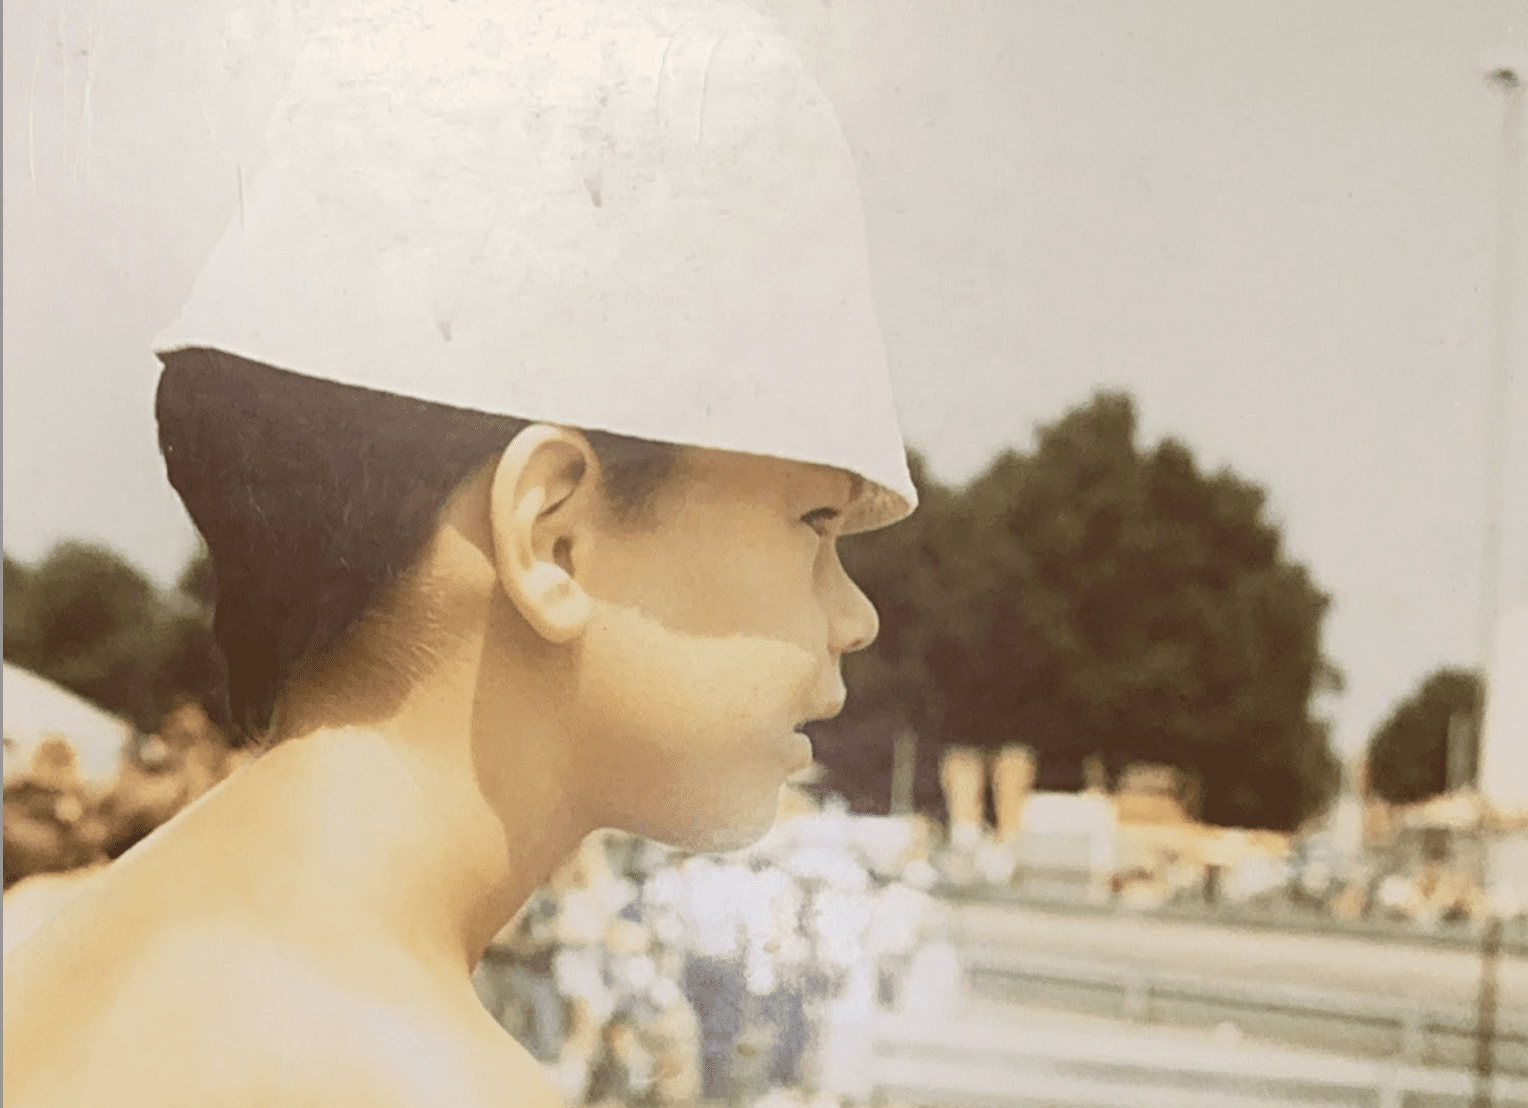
(210, 1019)
(394, 1046)
(391, 1046)
(423, 1063)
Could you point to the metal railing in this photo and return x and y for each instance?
(1278, 918)
(1357, 1023)
(1397, 1033)
(987, 1064)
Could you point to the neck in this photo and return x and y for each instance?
(425, 821)
(424, 831)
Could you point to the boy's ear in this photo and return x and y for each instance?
(541, 514)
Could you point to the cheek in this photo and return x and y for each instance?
(675, 687)
(689, 736)
(722, 580)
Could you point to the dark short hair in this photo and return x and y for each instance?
(314, 497)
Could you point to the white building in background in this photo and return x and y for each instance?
(36, 709)
(1067, 839)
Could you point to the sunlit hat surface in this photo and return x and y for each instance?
(639, 217)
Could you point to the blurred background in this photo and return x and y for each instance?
(1191, 765)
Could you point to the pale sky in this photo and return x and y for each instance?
(1274, 223)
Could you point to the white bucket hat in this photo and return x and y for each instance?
(636, 216)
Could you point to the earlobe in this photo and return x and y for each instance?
(541, 491)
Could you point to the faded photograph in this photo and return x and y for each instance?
(769, 553)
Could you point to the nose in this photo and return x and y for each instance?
(852, 620)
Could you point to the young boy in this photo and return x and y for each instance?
(522, 408)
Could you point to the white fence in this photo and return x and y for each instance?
(1072, 1032)
(1354, 1022)
(990, 1065)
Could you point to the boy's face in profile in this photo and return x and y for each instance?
(717, 631)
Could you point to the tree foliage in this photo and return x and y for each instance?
(1092, 597)
(1408, 752)
(89, 620)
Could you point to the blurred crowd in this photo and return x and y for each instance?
(68, 812)
(61, 817)
(642, 975)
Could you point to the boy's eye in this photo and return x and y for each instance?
(819, 518)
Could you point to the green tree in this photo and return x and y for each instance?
(18, 581)
(89, 620)
(1408, 752)
(1092, 597)
(1163, 621)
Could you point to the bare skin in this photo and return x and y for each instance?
(152, 988)
(305, 934)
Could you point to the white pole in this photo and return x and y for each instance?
(1505, 77)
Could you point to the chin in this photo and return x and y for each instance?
(719, 838)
